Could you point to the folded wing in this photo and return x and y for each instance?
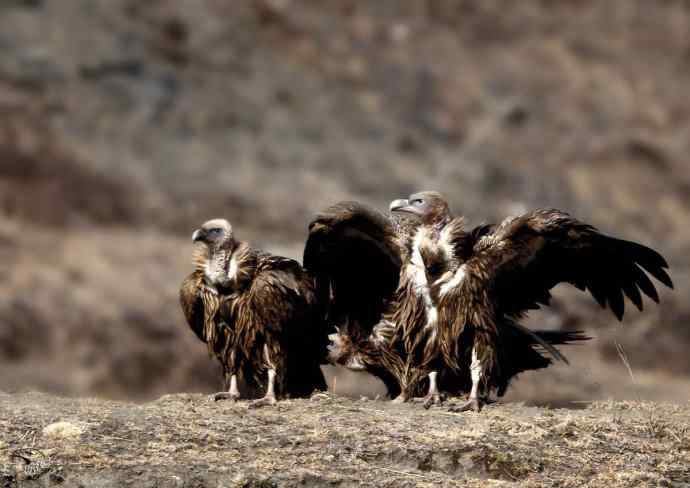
(354, 254)
(192, 303)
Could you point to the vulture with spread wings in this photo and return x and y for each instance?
(257, 313)
(495, 274)
(391, 282)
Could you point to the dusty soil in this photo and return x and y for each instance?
(187, 441)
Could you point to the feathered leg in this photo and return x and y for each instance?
(228, 359)
(405, 382)
(270, 397)
(475, 402)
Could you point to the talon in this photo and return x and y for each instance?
(223, 395)
(488, 401)
(474, 404)
(429, 400)
(436, 399)
(434, 396)
(268, 400)
(399, 399)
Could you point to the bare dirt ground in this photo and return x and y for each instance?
(187, 441)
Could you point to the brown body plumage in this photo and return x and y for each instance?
(381, 274)
(257, 313)
(428, 299)
(495, 274)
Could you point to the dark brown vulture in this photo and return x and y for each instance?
(377, 272)
(257, 313)
(475, 284)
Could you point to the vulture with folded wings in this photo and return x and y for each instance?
(418, 296)
(258, 315)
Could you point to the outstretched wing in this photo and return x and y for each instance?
(354, 254)
(524, 257)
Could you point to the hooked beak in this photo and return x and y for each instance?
(399, 205)
(403, 205)
(198, 235)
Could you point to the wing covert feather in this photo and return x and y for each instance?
(526, 256)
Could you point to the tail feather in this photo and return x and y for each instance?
(527, 350)
(539, 340)
(559, 337)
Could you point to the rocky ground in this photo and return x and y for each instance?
(187, 441)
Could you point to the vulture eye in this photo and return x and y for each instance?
(216, 231)
(417, 201)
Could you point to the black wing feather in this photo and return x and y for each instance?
(543, 248)
(353, 253)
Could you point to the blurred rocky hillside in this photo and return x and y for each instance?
(124, 124)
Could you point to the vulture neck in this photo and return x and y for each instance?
(441, 223)
(222, 266)
(437, 218)
(437, 223)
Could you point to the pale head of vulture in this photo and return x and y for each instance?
(217, 244)
(216, 234)
(430, 206)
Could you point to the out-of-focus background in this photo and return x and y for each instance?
(124, 124)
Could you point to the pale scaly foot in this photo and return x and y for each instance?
(434, 396)
(270, 396)
(399, 399)
(224, 395)
(266, 401)
(232, 394)
(435, 399)
(473, 404)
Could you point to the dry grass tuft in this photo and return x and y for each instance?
(62, 430)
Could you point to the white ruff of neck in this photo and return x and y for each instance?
(215, 267)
